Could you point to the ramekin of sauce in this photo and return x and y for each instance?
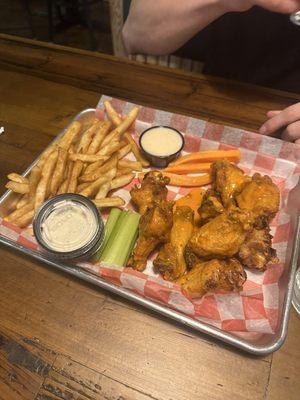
(161, 145)
(69, 227)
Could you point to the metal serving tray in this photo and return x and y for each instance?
(264, 344)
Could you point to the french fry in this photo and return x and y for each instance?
(121, 181)
(116, 120)
(134, 165)
(109, 148)
(103, 191)
(76, 171)
(98, 138)
(122, 128)
(82, 186)
(109, 202)
(92, 167)
(41, 190)
(19, 212)
(29, 230)
(86, 137)
(111, 163)
(90, 190)
(89, 158)
(63, 187)
(58, 174)
(34, 178)
(123, 171)
(25, 219)
(17, 187)
(71, 134)
(23, 200)
(124, 151)
(17, 178)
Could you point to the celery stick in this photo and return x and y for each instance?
(131, 247)
(113, 234)
(109, 226)
(120, 242)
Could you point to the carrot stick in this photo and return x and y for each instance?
(209, 156)
(184, 180)
(193, 199)
(188, 168)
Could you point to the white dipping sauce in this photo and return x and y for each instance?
(161, 141)
(69, 226)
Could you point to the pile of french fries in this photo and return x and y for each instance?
(90, 163)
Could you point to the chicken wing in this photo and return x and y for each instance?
(152, 190)
(210, 207)
(209, 276)
(261, 196)
(154, 228)
(222, 236)
(228, 180)
(170, 261)
(256, 252)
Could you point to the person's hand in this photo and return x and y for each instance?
(279, 6)
(288, 119)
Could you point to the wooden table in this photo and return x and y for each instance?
(61, 338)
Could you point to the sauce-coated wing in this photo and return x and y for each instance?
(256, 252)
(222, 236)
(228, 179)
(261, 196)
(152, 190)
(226, 275)
(154, 228)
(170, 261)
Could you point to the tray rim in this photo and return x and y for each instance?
(216, 333)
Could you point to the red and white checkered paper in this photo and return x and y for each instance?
(252, 311)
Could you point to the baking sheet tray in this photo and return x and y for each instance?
(259, 345)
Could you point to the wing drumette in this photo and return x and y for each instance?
(170, 261)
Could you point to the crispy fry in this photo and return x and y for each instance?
(17, 187)
(124, 151)
(122, 128)
(121, 181)
(29, 230)
(109, 202)
(116, 120)
(94, 186)
(76, 171)
(63, 187)
(87, 136)
(123, 171)
(109, 148)
(19, 212)
(58, 174)
(17, 178)
(92, 167)
(82, 186)
(98, 138)
(134, 165)
(70, 135)
(24, 199)
(111, 163)
(25, 219)
(41, 190)
(89, 158)
(34, 177)
(103, 191)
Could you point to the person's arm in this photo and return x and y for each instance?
(161, 27)
(289, 119)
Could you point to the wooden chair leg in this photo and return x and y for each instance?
(50, 20)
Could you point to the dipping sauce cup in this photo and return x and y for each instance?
(69, 227)
(161, 145)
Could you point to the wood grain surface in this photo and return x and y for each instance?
(61, 338)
